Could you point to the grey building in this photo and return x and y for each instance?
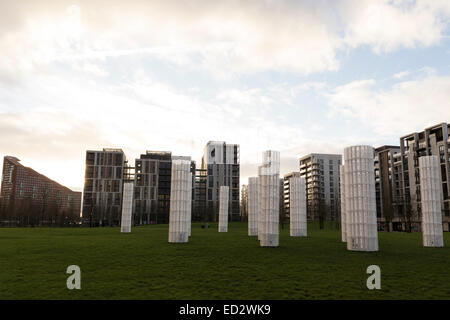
(387, 187)
(221, 162)
(200, 191)
(102, 193)
(321, 172)
(286, 192)
(153, 173)
(434, 140)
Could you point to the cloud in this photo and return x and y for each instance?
(224, 39)
(406, 107)
(401, 74)
(232, 38)
(53, 143)
(387, 25)
(88, 75)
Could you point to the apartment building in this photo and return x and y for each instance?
(200, 212)
(30, 198)
(286, 192)
(321, 172)
(221, 160)
(102, 196)
(153, 172)
(386, 184)
(434, 140)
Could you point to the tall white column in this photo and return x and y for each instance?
(430, 193)
(343, 210)
(179, 201)
(297, 207)
(127, 206)
(269, 198)
(360, 202)
(189, 215)
(252, 196)
(223, 208)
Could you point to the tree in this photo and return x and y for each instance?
(282, 214)
(388, 213)
(322, 211)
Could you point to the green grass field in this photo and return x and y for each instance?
(143, 265)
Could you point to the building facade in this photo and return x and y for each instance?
(153, 173)
(321, 172)
(200, 212)
(221, 160)
(286, 192)
(30, 198)
(386, 184)
(434, 140)
(102, 196)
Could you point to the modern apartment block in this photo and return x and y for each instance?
(153, 172)
(102, 196)
(434, 140)
(200, 212)
(221, 160)
(387, 187)
(286, 192)
(30, 198)
(321, 172)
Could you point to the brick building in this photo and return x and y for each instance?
(30, 198)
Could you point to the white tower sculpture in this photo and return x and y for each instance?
(179, 201)
(127, 205)
(252, 194)
(223, 208)
(360, 200)
(430, 193)
(343, 212)
(189, 215)
(297, 207)
(269, 198)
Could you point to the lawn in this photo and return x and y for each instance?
(143, 265)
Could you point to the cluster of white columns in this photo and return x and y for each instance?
(252, 197)
(297, 207)
(180, 201)
(269, 199)
(360, 202)
(223, 208)
(343, 209)
(430, 193)
(127, 206)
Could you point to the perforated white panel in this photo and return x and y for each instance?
(269, 199)
(223, 208)
(127, 206)
(252, 194)
(430, 193)
(343, 210)
(297, 207)
(180, 201)
(360, 199)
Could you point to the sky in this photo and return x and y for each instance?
(299, 77)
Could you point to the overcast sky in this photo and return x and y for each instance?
(295, 76)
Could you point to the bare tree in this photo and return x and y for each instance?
(322, 210)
